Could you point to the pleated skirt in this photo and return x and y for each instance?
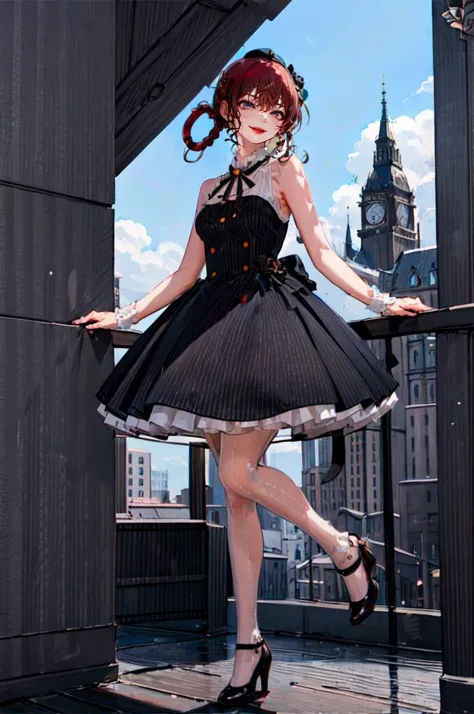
(210, 363)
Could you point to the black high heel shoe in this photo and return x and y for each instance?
(235, 696)
(361, 609)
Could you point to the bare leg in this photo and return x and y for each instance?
(241, 474)
(246, 554)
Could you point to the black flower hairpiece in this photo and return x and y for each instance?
(299, 82)
(302, 93)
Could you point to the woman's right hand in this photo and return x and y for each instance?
(98, 320)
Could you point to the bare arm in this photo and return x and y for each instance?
(297, 194)
(188, 272)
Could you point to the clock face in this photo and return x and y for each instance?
(402, 214)
(375, 213)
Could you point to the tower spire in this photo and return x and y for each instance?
(349, 250)
(386, 151)
(385, 131)
(387, 204)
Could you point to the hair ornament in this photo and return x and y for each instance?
(298, 80)
(299, 83)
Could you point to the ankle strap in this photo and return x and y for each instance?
(350, 569)
(353, 567)
(253, 646)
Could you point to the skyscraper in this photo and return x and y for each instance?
(215, 482)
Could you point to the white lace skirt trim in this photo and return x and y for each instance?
(314, 421)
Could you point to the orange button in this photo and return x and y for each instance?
(246, 267)
(236, 172)
(246, 244)
(222, 220)
(213, 274)
(212, 250)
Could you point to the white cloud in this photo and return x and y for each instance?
(175, 461)
(426, 87)
(142, 267)
(415, 139)
(284, 447)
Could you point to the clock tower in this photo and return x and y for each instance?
(387, 205)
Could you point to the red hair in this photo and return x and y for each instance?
(272, 83)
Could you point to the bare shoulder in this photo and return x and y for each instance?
(207, 186)
(294, 185)
(290, 170)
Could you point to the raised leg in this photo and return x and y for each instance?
(241, 474)
(246, 554)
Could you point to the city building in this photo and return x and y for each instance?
(153, 508)
(391, 257)
(273, 581)
(138, 474)
(217, 514)
(183, 496)
(293, 548)
(159, 485)
(214, 480)
(419, 505)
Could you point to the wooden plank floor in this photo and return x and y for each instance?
(175, 672)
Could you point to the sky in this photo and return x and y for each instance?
(343, 50)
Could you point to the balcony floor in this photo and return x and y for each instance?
(163, 671)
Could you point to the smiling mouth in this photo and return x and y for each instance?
(257, 130)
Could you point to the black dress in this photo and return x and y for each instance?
(250, 346)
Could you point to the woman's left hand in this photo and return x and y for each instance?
(407, 306)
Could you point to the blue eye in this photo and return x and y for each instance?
(276, 111)
(250, 105)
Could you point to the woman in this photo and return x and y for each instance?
(251, 349)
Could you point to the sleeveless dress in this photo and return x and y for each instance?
(250, 346)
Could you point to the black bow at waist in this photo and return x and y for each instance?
(288, 271)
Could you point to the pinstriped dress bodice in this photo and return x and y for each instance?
(240, 232)
(250, 345)
(236, 234)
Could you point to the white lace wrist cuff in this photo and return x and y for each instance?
(126, 316)
(380, 301)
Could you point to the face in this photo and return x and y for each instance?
(259, 125)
